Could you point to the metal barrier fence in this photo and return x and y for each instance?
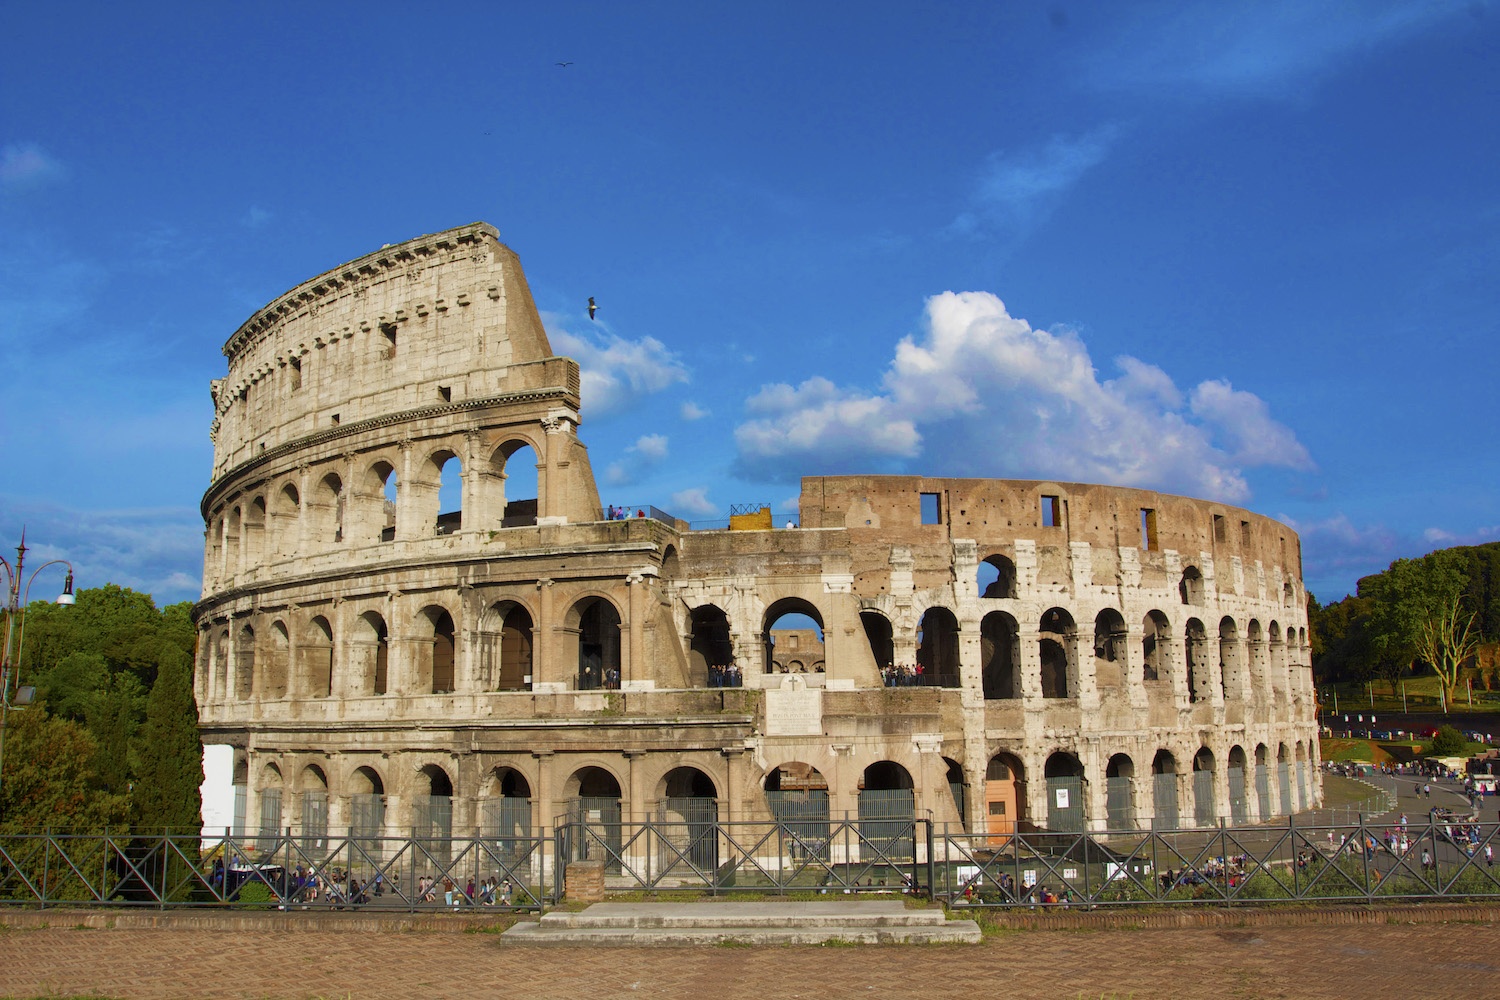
(800, 854)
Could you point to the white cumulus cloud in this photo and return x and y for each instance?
(693, 501)
(692, 411)
(983, 393)
(614, 371)
(649, 450)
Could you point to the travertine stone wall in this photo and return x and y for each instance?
(997, 647)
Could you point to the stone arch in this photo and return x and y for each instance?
(505, 808)
(937, 647)
(1256, 653)
(887, 803)
(1205, 769)
(1057, 635)
(593, 796)
(286, 521)
(996, 577)
(366, 803)
(315, 653)
(278, 657)
(1119, 792)
(594, 623)
(1199, 672)
(1000, 654)
(1231, 659)
(1156, 647)
(774, 658)
(797, 794)
(520, 482)
(882, 640)
(1263, 781)
(1166, 814)
(313, 788)
(373, 514)
(244, 662)
(958, 788)
(436, 493)
(1066, 812)
(432, 810)
(1276, 660)
(435, 651)
(511, 638)
(1190, 587)
(370, 646)
(710, 648)
(1110, 654)
(1004, 795)
(270, 792)
(671, 565)
(232, 528)
(254, 539)
(1239, 802)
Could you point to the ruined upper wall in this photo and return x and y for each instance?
(438, 319)
(882, 511)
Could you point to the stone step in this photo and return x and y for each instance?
(751, 923)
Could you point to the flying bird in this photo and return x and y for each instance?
(592, 308)
(565, 65)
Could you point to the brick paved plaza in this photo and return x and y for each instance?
(1459, 959)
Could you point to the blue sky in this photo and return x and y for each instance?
(1242, 251)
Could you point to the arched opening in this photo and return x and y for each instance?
(1004, 797)
(687, 811)
(882, 640)
(1119, 792)
(366, 804)
(432, 812)
(1065, 807)
(232, 544)
(1284, 778)
(273, 680)
(1109, 651)
(221, 664)
(797, 794)
(793, 629)
(315, 650)
(1204, 812)
(670, 564)
(1000, 652)
(244, 663)
(1231, 660)
(448, 472)
(255, 532)
(215, 563)
(1056, 640)
(997, 578)
(594, 806)
(1165, 814)
(505, 811)
(326, 512)
(1190, 587)
(1263, 782)
(270, 807)
(1256, 641)
(387, 491)
(1303, 800)
(515, 645)
(1276, 657)
(1199, 672)
(1156, 647)
(435, 658)
(937, 648)
(887, 805)
(371, 651)
(710, 649)
(314, 787)
(958, 787)
(598, 627)
(286, 520)
(1239, 804)
(515, 464)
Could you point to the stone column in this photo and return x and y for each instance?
(634, 667)
(544, 638)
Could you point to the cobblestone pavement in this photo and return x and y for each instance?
(1411, 961)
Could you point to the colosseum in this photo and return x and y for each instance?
(994, 655)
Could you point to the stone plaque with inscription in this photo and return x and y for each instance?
(794, 710)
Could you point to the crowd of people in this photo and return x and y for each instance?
(305, 886)
(722, 675)
(903, 674)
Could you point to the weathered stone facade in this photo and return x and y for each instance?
(381, 664)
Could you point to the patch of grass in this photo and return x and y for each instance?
(839, 943)
(732, 943)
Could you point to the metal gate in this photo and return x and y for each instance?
(1263, 791)
(1284, 778)
(686, 831)
(315, 822)
(1204, 813)
(597, 819)
(432, 817)
(804, 814)
(885, 816)
(1238, 806)
(1164, 801)
(1065, 805)
(1119, 802)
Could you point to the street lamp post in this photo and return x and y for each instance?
(15, 635)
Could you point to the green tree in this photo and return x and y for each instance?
(166, 794)
(1420, 613)
(48, 776)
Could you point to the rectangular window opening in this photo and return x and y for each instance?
(1051, 512)
(932, 508)
(296, 373)
(1148, 529)
(388, 331)
(1245, 534)
(1221, 530)
(335, 420)
(445, 393)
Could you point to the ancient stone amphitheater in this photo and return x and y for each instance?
(992, 654)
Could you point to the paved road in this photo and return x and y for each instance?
(1413, 961)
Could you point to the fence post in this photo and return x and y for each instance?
(932, 862)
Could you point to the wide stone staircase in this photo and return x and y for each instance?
(749, 923)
